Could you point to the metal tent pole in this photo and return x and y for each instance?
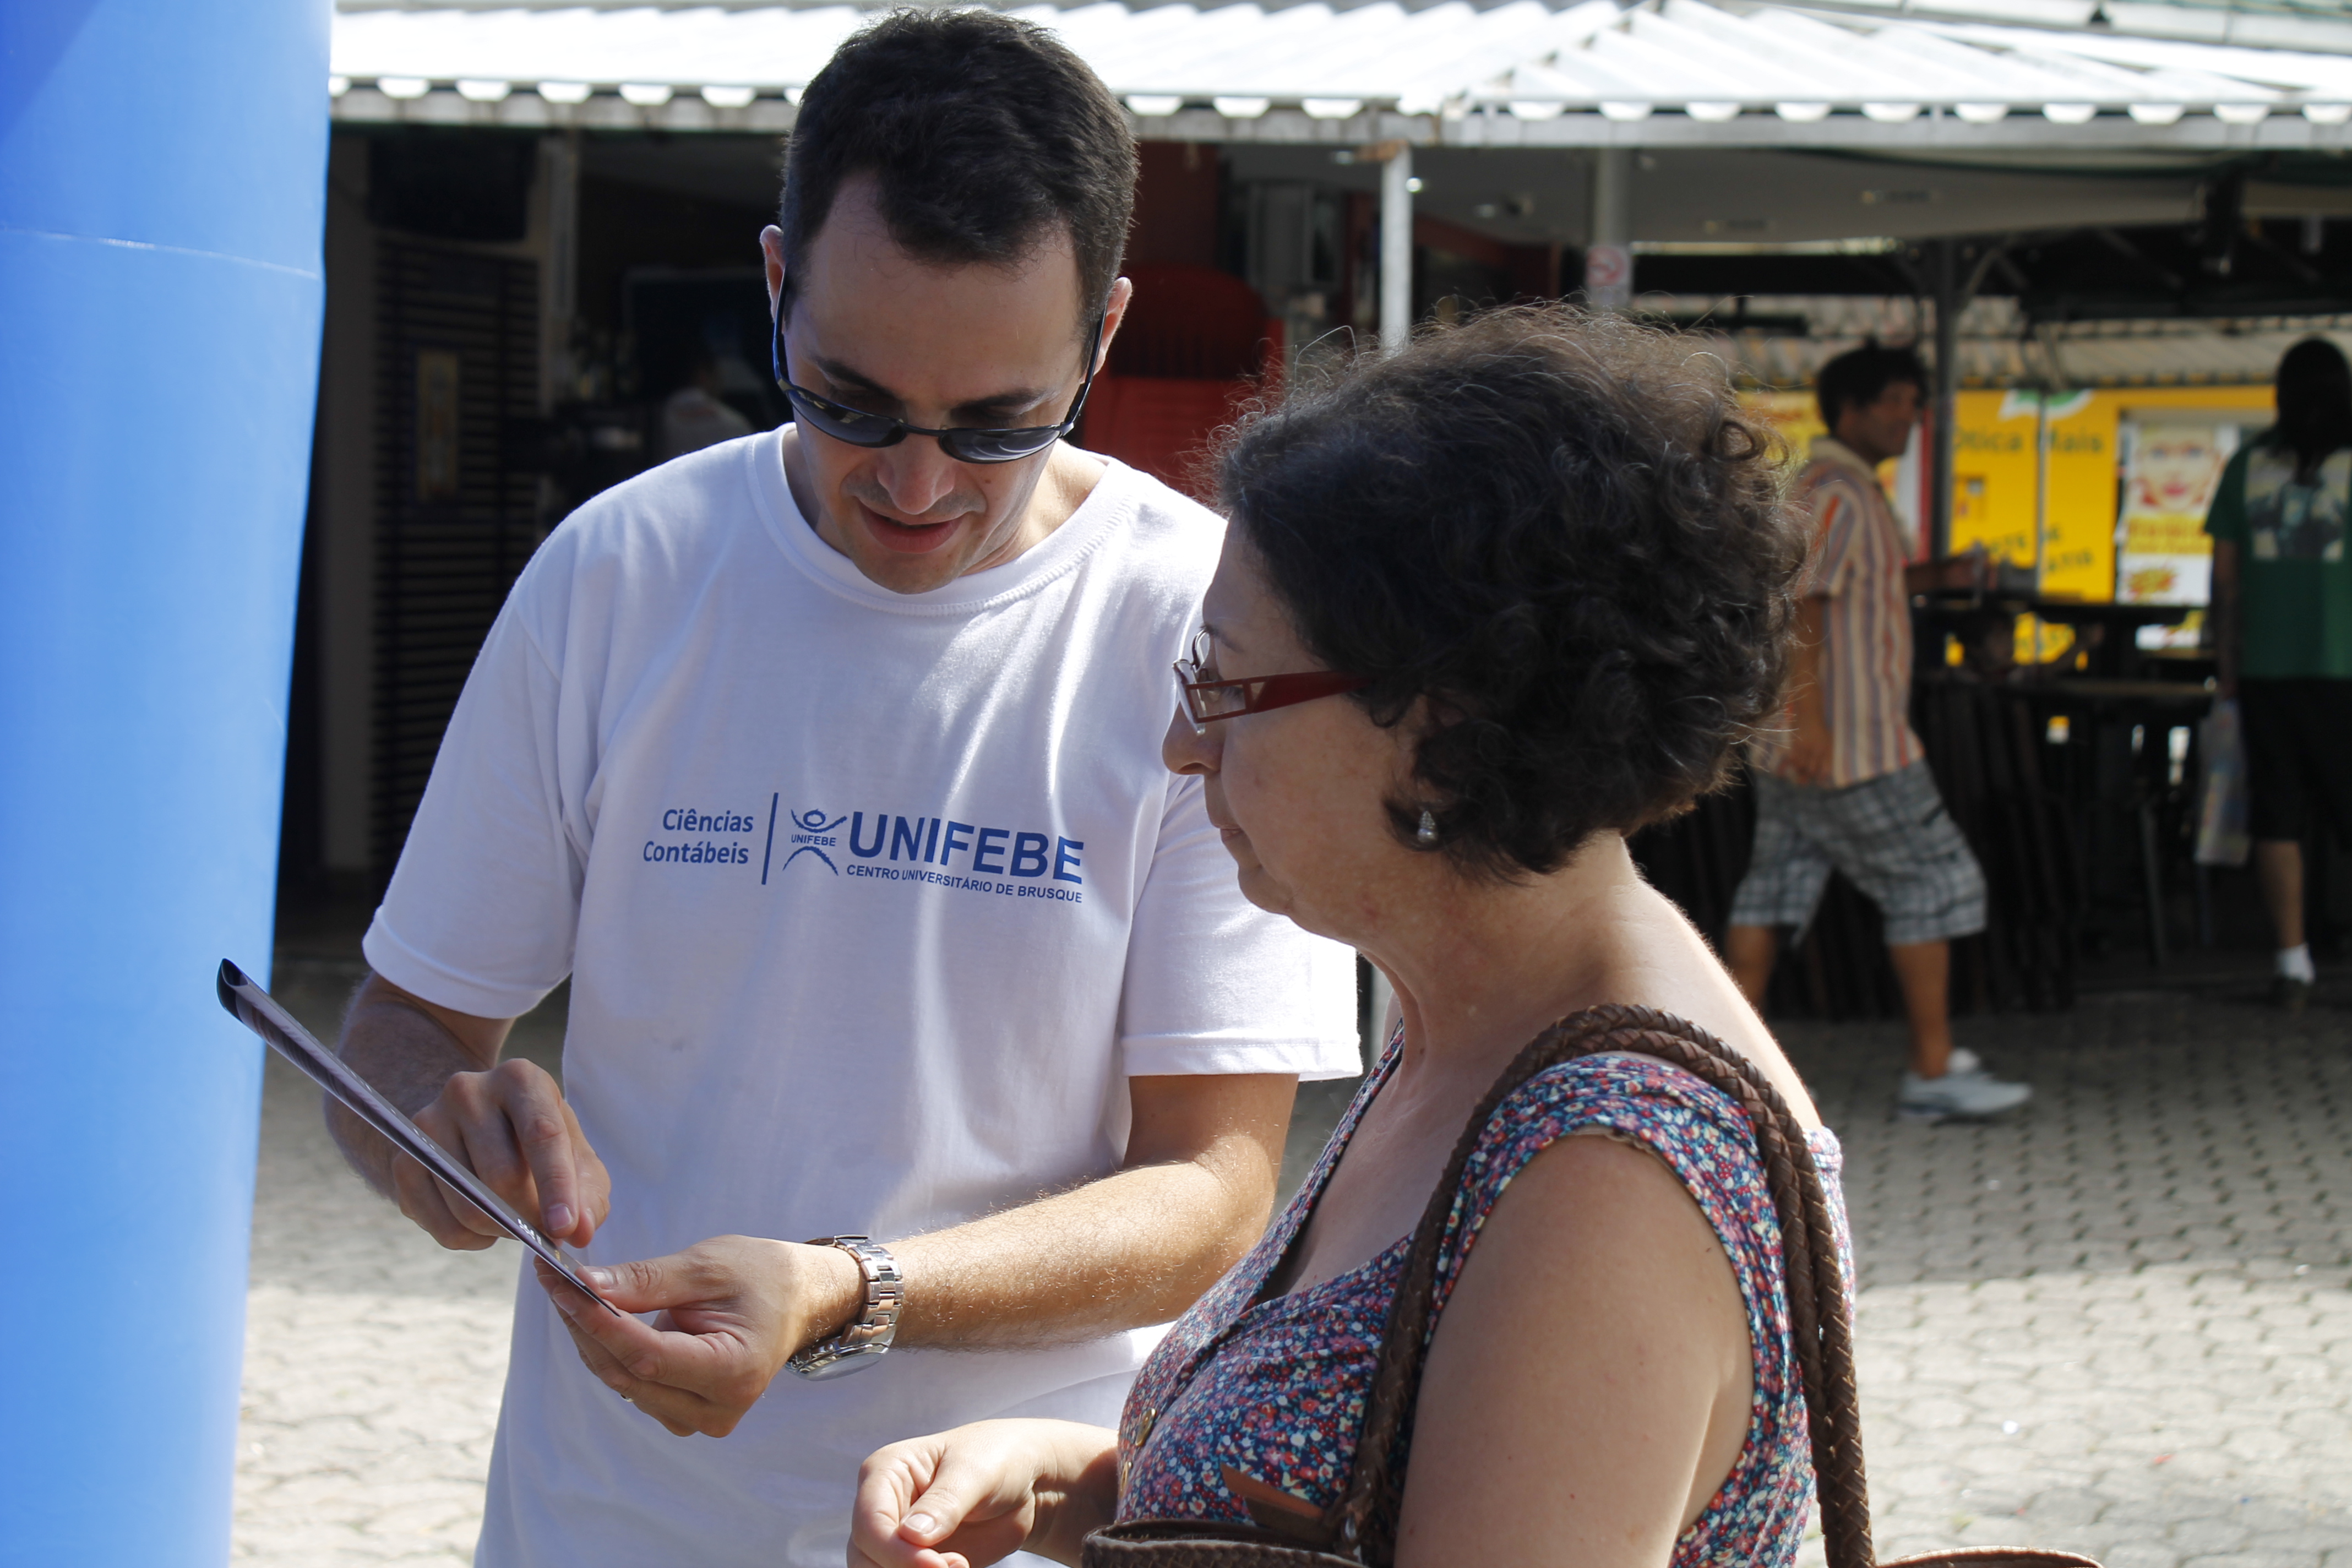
(1945, 401)
(1609, 252)
(1396, 247)
(559, 166)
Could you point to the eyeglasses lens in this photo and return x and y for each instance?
(997, 446)
(843, 423)
(1204, 697)
(1220, 701)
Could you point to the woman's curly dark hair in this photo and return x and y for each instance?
(1564, 534)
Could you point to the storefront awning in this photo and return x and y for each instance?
(1992, 77)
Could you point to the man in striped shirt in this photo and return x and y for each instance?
(1844, 783)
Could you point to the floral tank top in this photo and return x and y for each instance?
(1277, 1388)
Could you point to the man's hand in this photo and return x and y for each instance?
(977, 1494)
(1809, 757)
(511, 1127)
(1969, 571)
(506, 1120)
(1137, 1247)
(734, 1310)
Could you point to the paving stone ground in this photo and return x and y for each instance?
(2120, 1323)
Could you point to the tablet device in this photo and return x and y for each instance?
(258, 1011)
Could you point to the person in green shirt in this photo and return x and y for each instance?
(2282, 609)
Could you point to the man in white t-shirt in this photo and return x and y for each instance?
(825, 763)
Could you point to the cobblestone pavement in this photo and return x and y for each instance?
(2120, 1323)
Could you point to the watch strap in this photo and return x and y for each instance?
(869, 1334)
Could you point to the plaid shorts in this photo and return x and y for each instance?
(1890, 837)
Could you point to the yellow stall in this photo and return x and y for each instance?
(2111, 484)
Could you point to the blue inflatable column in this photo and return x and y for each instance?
(162, 169)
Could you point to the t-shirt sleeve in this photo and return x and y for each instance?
(2226, 518)
(1215, 984)
(485, 904)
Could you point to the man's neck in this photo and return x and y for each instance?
(1071, 475)
(1866, 455)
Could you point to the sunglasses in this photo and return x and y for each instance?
(1207, 698)
(856, 427)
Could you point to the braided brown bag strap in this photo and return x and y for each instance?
(1818, 1311)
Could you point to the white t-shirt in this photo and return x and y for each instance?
(871, 902)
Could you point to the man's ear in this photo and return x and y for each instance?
(771, 251)
(1122, 294)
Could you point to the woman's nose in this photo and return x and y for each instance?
(1188, 747)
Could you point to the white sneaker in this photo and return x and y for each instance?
(1973, 1093)
(1964, 1060)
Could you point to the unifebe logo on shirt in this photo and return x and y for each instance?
(930, 850)
(812, 835)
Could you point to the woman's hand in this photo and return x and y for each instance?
(732, 1310)
(969, 1497)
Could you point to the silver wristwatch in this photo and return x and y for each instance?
(868, 1335)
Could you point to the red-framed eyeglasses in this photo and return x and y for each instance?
(1208, 699)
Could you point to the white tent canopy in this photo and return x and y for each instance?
(1986, 76)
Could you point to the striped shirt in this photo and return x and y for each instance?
(1858, 557)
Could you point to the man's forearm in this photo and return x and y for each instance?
(407, 1055)
(1136, 1248)
(1805, 664)
(1805, 656)
(1807, 709)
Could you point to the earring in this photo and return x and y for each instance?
(1427, 832)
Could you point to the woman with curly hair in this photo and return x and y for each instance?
(1486, 607)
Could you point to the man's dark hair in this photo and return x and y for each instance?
(1859, 377)
(981, 133)
(1565, 534)
(2315, 401)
